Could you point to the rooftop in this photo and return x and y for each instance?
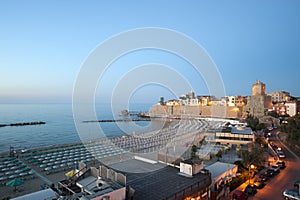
(46, 194)
(237, 130)
(94, 184)
(192, 161)
(219, 168)
(164, 183)
(226, 129)
(95, 187)
(241, 130)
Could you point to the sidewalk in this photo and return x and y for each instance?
(241, 187)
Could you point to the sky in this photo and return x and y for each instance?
(44, 44)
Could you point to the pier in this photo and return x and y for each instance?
(23, 124)
(135, 113)
(118, 120)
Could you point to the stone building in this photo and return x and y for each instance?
(236, 101)
(181, 111)
(280, 96)
(259, 89)
(259, 102)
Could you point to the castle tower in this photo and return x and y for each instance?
(259, 102)
(259, 89)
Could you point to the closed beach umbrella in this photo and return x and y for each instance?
(14, 183)
(70, 173)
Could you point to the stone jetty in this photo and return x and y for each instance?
(23, 124)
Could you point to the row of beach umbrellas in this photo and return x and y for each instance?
(158, 140)
(11, 168)
(66, 157)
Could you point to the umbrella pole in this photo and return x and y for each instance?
(15, 189)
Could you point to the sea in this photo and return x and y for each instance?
(60, 126)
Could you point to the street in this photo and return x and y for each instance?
(285, 179)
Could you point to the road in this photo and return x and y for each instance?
(285, 179)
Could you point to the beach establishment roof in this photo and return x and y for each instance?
(241, 130)
(163, 183)
(88, 183)
(47, 194)
(219, 170)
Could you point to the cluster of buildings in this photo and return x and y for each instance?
(284, 103)
(258, 104)
(189, 180)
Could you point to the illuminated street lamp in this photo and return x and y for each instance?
(250, 167)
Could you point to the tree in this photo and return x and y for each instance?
(255, 157)
(284, 116)
(262, 142)
(254, 124)
(260, 126)
(193, 151)
(273, 113)
(219, 154)
(202, 141)
(292, 127)
(227, 124)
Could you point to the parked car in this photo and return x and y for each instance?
(292, 194)
(260, 168)
(270, 172)
(276, 169)
(281, 164)
(264, 177)
(250, 189)
(239, 195)
(281, 154)
(274, 146)
(259, 184)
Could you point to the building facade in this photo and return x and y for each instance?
(280, 108)
(280, 96)
(291, 108)
(221, 174)
(235, 136)
(189, 99)
(236, 101)
(286, 108)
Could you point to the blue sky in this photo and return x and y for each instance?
(44, 43)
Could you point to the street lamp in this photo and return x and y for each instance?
(250, 167)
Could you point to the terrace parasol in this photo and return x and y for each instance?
(15, 183)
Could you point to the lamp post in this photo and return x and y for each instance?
(250, 167)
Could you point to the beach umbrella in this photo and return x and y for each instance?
(70, 173)
(14, 183)
(26, 169)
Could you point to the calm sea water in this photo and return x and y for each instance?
(60, 127)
